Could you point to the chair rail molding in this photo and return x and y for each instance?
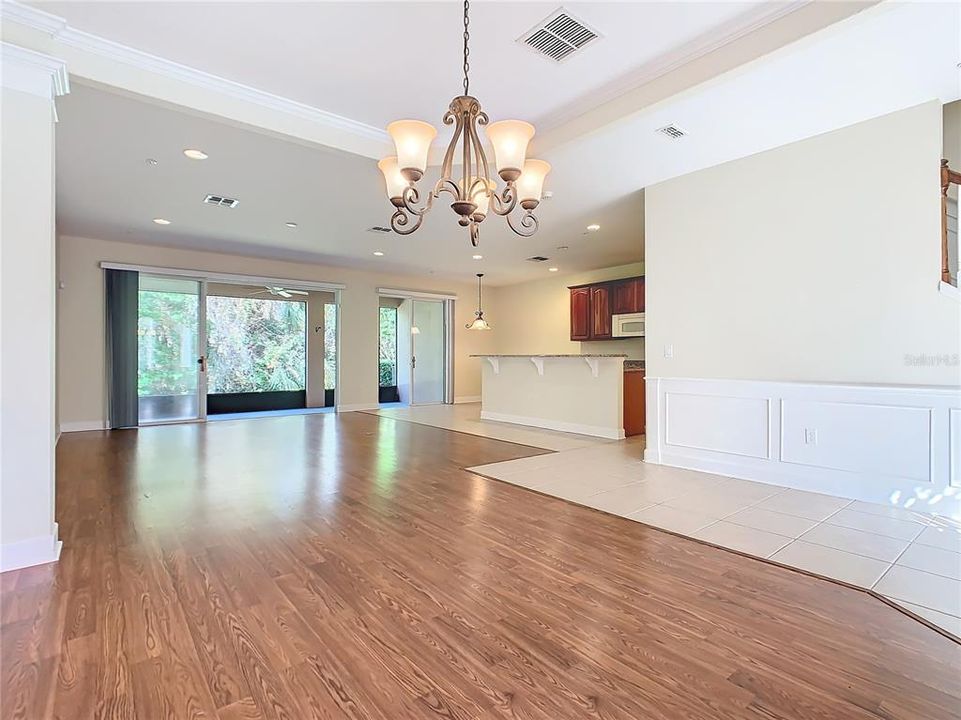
(897, 445)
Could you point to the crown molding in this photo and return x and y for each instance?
(34, 73)
(60, 31)
(729, 32)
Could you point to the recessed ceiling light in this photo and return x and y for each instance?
(161, 221)
(291, 224)
(551, 269)
(477, 257)
(593, 228)
(378, 253)
(562, 247)
(195, 154)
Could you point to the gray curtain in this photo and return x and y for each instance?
(122, 314)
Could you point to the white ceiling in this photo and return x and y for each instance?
(374, 62)
(106, 189)
(881, 60)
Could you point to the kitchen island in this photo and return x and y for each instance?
(572, 393)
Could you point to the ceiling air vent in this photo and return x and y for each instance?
(221, 201)
(378, 229)
(559, 36)
(538, 258)
(672, 131)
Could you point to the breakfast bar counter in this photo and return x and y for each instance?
(572, 393)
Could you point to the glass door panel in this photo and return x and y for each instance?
(170, 371)
(427, 351)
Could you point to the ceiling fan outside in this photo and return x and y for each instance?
(279, 291)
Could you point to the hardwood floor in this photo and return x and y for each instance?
(326, 566)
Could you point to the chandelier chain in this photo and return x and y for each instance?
(466, 48)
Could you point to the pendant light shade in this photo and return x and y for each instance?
(412, 138)
(479, 323)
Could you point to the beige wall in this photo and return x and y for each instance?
(534, 317)
(951, 146)
(81, 328)
(817, 261)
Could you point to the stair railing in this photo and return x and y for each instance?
(948, 177)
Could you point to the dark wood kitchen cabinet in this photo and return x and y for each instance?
(593, 306)
(601, 323)
(581, 313)
(628, 296)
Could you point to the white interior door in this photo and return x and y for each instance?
(428, 359)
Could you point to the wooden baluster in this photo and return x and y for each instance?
(948, 176)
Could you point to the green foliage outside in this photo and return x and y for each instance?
(256, 345)
(388, 347)
(167, 343)
(330, 346)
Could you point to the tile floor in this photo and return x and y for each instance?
(912, 558)
(465, 418)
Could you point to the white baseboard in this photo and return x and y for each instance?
(577, 428)
(32, 551)
(357, 406)
(895, 445)
(462, 399)
(82, 426)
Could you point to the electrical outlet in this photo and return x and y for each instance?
(810, 436)
(669, 352)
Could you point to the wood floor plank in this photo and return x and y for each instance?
(347, 566)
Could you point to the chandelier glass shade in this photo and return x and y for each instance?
(472, 188)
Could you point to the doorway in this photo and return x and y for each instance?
(414, 353)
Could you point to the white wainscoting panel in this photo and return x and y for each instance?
(954, 445)
(883, 440)
(735, 425)
(893, 444)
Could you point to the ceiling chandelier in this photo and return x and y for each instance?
(475, 194)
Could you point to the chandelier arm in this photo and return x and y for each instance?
(527, 225)
(410, 199)
(466, 152)
(503, 204)
(479, 150)
(451, 118)
(400, 221)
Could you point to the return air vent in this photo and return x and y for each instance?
(538, 258)
(671, 131)
(378, 229)
(559, 36)
(221, 201)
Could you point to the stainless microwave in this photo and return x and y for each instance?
(628, 325)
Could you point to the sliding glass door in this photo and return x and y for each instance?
(171, 373)
(428, 355)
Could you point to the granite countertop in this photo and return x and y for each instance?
(633, 364)
(551, 355)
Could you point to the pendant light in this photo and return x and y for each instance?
(479, 322)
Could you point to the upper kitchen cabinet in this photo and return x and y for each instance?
(593, 306)
(581, 313)
(601, 325)
(628, 296)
